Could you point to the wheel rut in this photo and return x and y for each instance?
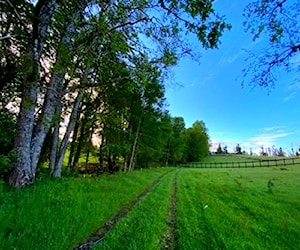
(169, 239)
(99, 235)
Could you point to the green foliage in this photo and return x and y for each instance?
(7, 134)
(7, 131)
(176, 146)
(278, 22)
(197, 145)
(5, 165)
(99, 47)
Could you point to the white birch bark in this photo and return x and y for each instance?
(22, 173)
(54, 91)
(71, 125)
(51, 103)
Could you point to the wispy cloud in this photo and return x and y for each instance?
(292, 89)
(269, 136)
(289, 97)
(208, 78)
(266, 137)
(294, 86)
(224, 60)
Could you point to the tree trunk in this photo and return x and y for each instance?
(131, 162)
(88, 149)
(80, 142)
(71, 125)
(29, 141)
(51, 103)
(71, 161)
(54, 91)
(23, 173)
(53, 155)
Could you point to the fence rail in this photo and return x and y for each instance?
(246, 164)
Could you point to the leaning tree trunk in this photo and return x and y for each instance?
(53, 154)
(51, 104)
(55, 89)
(22, 173)
(71, 161)
(132, 157)
(80, 142)
(71, 125)
(29, 141)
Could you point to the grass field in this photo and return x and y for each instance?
(238, 209)
(59, 214)
(254, 208)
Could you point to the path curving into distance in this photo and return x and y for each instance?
(99, 235)
(169, 238)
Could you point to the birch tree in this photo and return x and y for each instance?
(63, 30)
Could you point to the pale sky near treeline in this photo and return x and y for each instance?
(211, 91)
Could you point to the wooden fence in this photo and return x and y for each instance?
(246, 164)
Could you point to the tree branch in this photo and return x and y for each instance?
(295, 48)
(6, 37)
(15, 10)
(278, 5)
(162, 4)
(129, 23)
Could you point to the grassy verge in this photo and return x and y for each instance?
(145, 224)
(59, 214)
(238, 208)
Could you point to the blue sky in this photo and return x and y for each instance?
(211, 91)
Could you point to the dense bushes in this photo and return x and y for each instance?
(7, 134)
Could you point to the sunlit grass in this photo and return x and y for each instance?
(239, 209)
(254, 208)
(59, 214)
(145, 225)
(82, 159)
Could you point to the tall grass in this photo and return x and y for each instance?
(145, 225)
(59, 214)
(239, 209)
(255, 208)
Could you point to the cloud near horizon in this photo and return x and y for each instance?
(267, 138)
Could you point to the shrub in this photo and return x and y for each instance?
(5, 165)
(7, 131)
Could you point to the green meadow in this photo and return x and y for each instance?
(244, 208)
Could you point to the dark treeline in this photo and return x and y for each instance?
(73, 71)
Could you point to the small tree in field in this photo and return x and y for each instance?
(280, 152)
(225, 150)
(219, 149)
(238, 149)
